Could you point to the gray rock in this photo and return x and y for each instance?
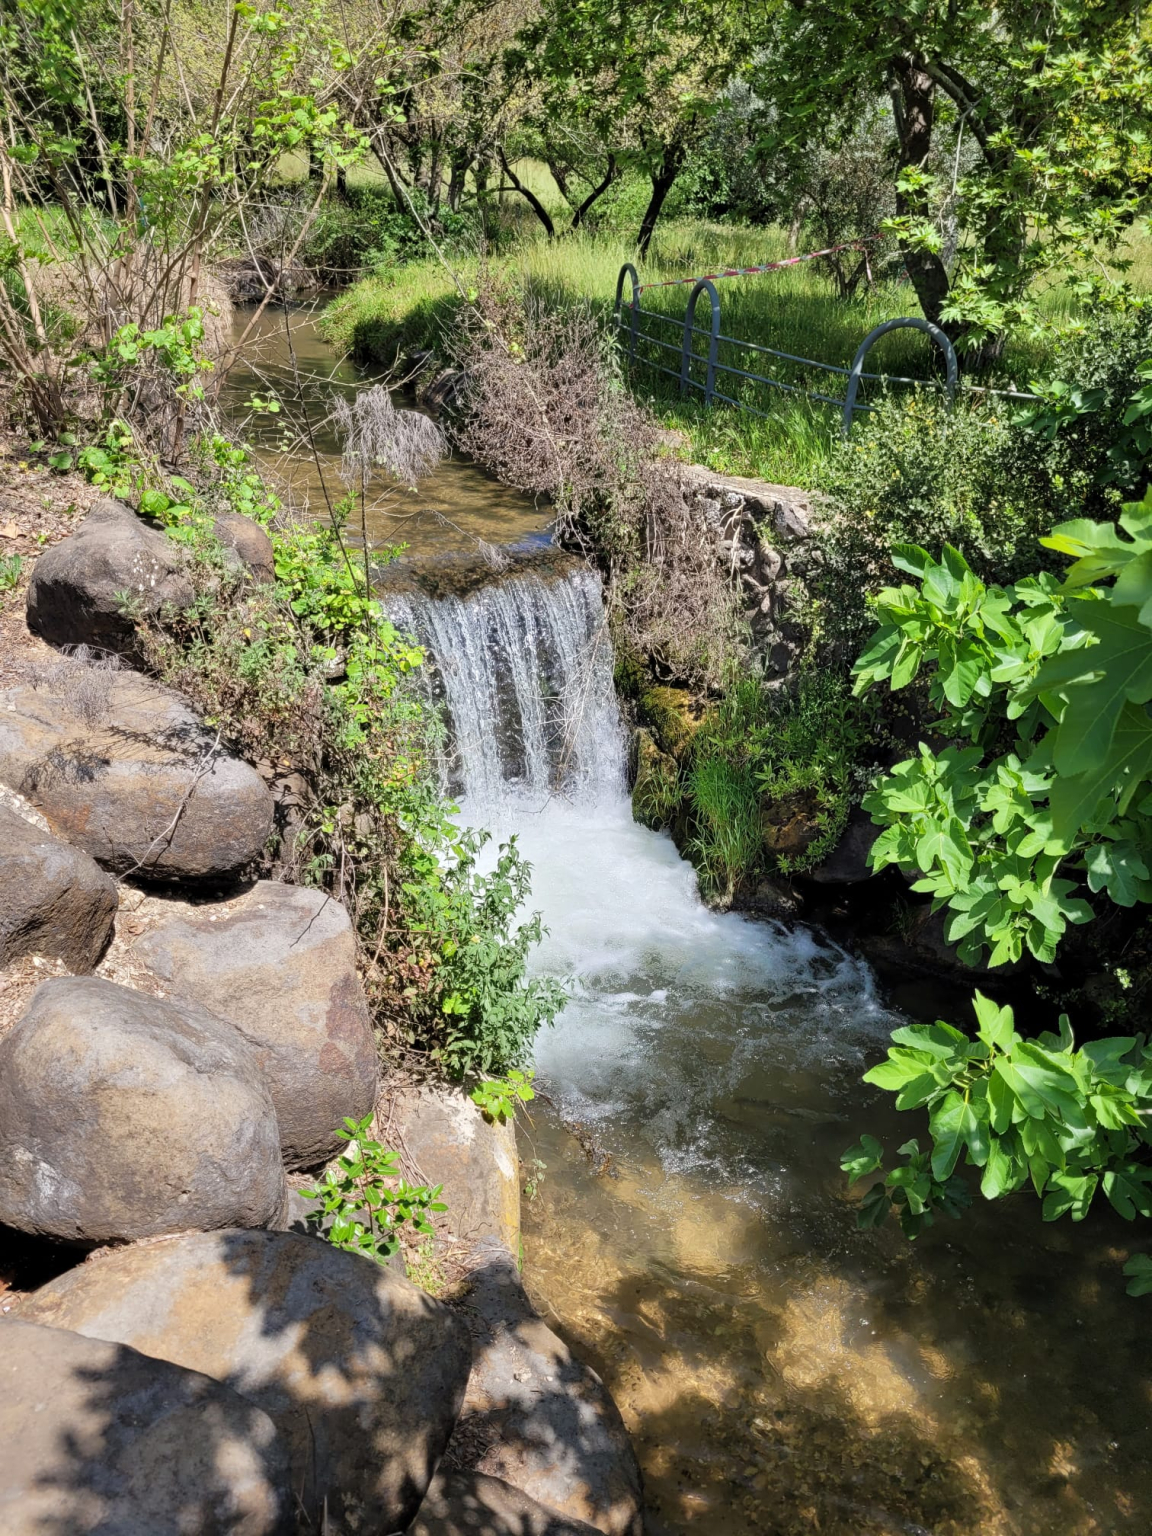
(76, 594)
(123, 1116)
(470, 1504)
(248, 542)
(446, 1140)
(131, 777)
(281, 965)
(54, 900)
(362, 1374)
(551, 1427)
(848, 864)
(99, 1440)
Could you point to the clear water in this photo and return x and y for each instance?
(690, 1231)
(454, 510)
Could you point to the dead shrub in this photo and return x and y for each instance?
(545, 409)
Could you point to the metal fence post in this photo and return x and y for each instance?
(874, 336)
(703, 286)
(634, 304)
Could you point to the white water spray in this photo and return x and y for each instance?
(676, 1012)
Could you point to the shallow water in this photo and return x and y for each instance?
(779, 1370)
(456, 508)
(689, 1230)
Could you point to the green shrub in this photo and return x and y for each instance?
(1095, 419)
(367, 1202)
(365, 231)
(756, 750)
(991, 478)
(1066, 1120)
(912, 473)
(478, 1011)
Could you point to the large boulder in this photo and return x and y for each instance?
(280, 964)
(247, 547)
(99, 1440)
(54, 899)
(446, 1140)
(362, 1374)
(77, 592)
(123, 1116)
(470, 1504)
(123, 769)
(548, 1421)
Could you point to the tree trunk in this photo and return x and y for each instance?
(915, 112)
(529, 197)
(596, 193)
(457, 179)
(671, 164)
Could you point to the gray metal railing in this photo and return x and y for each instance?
(686, 353)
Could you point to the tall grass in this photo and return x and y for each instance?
(794, 310)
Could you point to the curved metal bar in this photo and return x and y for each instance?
(633, 307)
(705, 285)
(873, 336)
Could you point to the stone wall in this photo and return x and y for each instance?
(763, 537)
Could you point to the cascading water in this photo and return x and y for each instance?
(525, 670)
(670, 1002)
(779, 1371)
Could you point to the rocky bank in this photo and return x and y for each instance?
(178, 1044)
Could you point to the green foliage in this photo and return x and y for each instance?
(309, 680)
(364, 230)
(499, 1097)
(478, 1011)
(1068, 1120)
(112, 464)
(912, 473)
(727, 843)
(366, 1201)
(1095, 414)
(1053, 104)
(757, 756)
(11, 569)
(1049, 684)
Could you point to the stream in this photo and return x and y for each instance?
(687, 1228)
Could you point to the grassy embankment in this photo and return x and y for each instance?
(794, 310)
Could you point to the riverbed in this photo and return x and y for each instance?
(687, 1227)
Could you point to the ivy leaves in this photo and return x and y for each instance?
(1004, 833)
(1069, 1122)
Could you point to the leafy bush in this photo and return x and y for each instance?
(478, 1012)
(366, 1201)
(991, 478)
(364, 230)
(1050, 684)
(499, 1097)
(912, 474)
(1096, 413)
(1068, 1120)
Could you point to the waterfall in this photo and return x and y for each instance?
(523, 666)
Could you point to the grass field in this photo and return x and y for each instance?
(794, 311)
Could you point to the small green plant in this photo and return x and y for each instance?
(534, 1177)
(11, 568)
(1067, 1120)
(367, 1200)
(498, 1097)
(1049, 683)
(479, 1009)
(113, 465)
